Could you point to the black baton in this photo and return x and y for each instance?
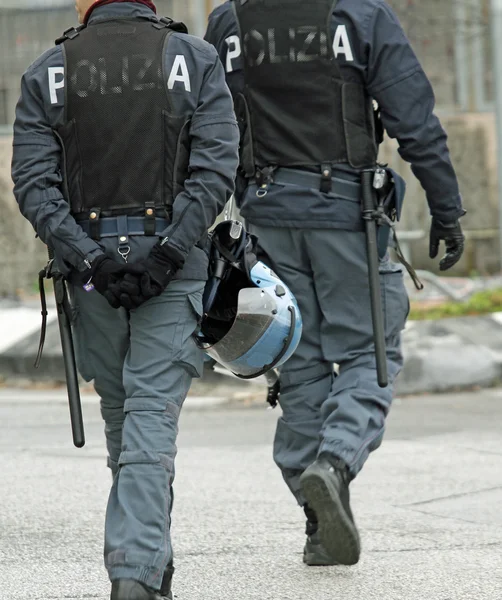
(63, 309)
(369, 216)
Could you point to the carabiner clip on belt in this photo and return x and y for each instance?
(122, 229)
(264, 179)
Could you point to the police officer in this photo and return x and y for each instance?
(304, 76)
(125, 152)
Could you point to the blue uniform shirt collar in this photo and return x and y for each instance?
(121, 9)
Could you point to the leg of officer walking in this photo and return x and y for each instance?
(354, 412)
(306, 378)
(102, 341)
(159, 367)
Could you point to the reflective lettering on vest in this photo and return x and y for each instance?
(145, 79)
(301, 44)
(341, 44)
(54, 85)
(234, 51)
(309, 34)
(179, 73)
(134, 72)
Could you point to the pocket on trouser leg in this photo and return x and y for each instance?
(395, 299)
(139, 506)
(151, 423)
(191, 357)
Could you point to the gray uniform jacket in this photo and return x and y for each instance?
(371, 48)
(213, 162)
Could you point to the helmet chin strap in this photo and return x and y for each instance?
(230, 248)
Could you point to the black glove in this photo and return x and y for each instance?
(146, 279)
(104, 274)
(452, 235)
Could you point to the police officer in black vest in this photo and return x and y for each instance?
(125, 152)
(304, 77)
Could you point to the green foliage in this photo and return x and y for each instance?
(481, 303)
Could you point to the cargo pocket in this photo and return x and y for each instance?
(191, 357)
(395, 299)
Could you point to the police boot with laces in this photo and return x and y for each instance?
(314, 554)
(130, 589)
(325, 485)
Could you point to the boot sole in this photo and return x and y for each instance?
(338, 534)
(312, 559)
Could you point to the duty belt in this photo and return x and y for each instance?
(116, 226)
(342, 188)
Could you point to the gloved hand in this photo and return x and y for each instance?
(104, 274)
(146, 279)
(452, 235)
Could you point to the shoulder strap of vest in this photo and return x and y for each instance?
(177, 26)
(163, 22)
(69, 34)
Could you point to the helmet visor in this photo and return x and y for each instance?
(256, 312)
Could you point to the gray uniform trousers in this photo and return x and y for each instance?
(142, 364)
(326, 269)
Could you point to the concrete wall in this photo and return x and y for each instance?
(429, 25)
(472, 142)
(452, 39)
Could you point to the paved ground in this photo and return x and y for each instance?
(428, 505)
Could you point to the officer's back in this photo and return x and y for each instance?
(126, 98)
(320, 107)
(125, 152)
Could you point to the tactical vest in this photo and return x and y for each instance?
(297, 108)
(124, 147)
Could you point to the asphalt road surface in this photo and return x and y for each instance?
(428, 504)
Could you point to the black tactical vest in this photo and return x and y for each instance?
(124, 147)
(299, 110)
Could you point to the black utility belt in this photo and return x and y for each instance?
(343, 188)
(122, 225)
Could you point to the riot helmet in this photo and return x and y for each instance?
(251, 321)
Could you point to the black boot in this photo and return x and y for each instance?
(325, 485)
(165, 588)
(130, 589)
(314, 554)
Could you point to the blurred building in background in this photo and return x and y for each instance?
(452, 39)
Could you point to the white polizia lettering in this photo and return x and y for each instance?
(341, 44)
(179, 73)
(234, 51)
(54, 85)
